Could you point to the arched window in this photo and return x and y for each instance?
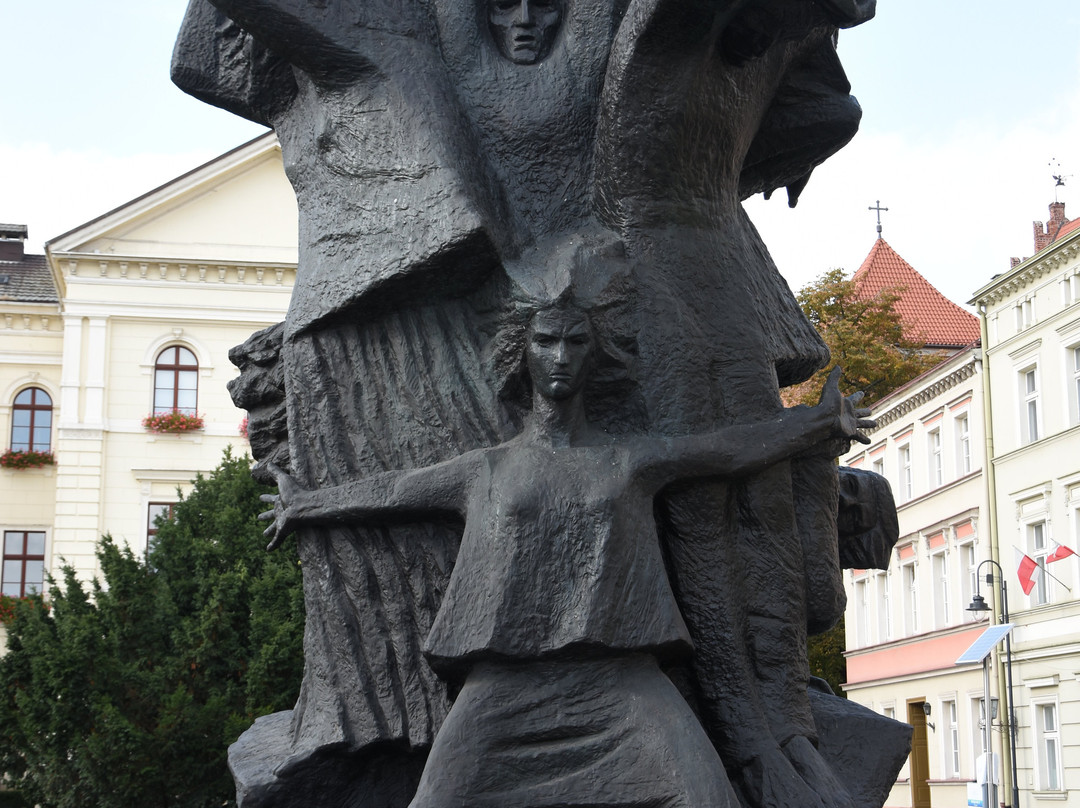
(31, 421)
(176, 381)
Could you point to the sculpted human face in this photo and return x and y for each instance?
(559, 353)
(524, 29)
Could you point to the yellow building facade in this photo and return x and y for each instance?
(149, 298)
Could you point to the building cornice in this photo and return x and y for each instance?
(924, 396)
(87, 267)
(1056, 256)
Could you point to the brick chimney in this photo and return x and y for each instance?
(12, 241)
(1045, 237)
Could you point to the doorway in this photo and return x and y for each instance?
(919, 770)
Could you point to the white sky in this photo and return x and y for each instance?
(965, 105)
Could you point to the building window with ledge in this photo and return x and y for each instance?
(176, 381)
(940, 564)
(1025, 314)
(963, 445)
(862, 614)
(884, 605)
(969, 564)
(24, 562)
(952, 739)
(906, 482)
(911, 599)
(1029, 405)
(937, 469)
(1047, 746)
(31, 421)
(1074, 383)
(1037, 544)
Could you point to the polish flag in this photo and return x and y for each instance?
(1028, 570)
(1060, 552)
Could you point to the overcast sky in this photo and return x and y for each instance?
(965, 105)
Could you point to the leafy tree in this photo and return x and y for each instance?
(127, 691)
(866, 338)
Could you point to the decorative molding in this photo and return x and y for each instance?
(924, 396)
(89, 266)
(1031, 271)
(1023, 350)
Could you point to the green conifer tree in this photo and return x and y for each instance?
(126, 692)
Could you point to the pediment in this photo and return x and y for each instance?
(238, 207)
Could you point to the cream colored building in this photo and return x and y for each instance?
(983, 456)
(1032, 327)
(150, 297)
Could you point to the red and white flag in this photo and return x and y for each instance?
(1060, 552)
(1028, 570)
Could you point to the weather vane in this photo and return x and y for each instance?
(1058, 178)
(877, 206)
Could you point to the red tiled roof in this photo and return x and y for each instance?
(928, 315)
(1067, 228)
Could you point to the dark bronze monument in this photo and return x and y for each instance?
(562, 544)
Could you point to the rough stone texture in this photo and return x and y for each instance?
(441, 169)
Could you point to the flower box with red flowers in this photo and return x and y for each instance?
(25, 459)
(174, 422)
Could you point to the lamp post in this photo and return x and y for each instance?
(978, 604)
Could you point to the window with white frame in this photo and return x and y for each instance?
(1038, 549)
(906, 482)
(1047, 746)
(978, 721)
(937, 469)
(1030, 421)
(1070, 289)
(878, 466)
(911, 599)
(1025, 314)
(940, 565)
(963, 445)
(1074, 381)
(969, 566)
(952, 739)
(862, 614)
(884, 580)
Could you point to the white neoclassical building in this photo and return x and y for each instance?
(126, 316)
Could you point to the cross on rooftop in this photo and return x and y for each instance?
(879, 210)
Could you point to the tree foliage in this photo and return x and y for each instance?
(128, 690)
(865, 338)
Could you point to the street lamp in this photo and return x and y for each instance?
(979, 604)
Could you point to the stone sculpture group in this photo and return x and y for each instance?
(562, 544)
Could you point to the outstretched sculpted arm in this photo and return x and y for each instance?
(442, 488)
(749, 448)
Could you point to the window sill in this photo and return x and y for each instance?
(43, 471)
(1051, 795)
(174, 437)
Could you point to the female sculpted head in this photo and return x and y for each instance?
(524, 30)
(559, 351)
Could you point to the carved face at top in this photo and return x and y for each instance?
(524, 29)
(558, 353)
